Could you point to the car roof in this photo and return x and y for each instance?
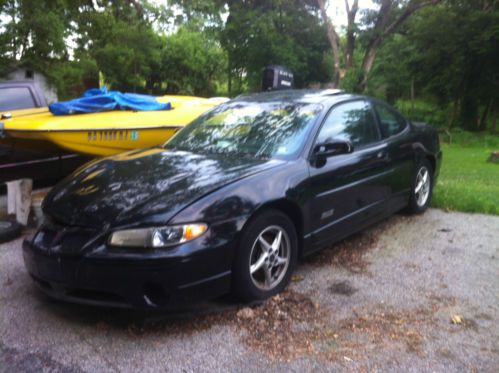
(297, 95)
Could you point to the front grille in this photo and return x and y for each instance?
(54, 238)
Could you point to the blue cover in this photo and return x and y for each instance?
(100, 99)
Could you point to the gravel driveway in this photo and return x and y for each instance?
(382, 300)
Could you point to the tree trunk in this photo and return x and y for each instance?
(229, 79)
(469, 113)
(334, 43)
(412, 96)
(350, 47)
(494, 121)
(482, 126)
(455, 110)
(367, 65)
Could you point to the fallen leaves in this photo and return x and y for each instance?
(456, 319)
(349, 253)
(245, 313)
(282, 328)
(394, 326)
(297, 278)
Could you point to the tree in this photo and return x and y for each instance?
(379, 25)
(34, 32)
(257, 33)
(191, 63)
(449, 53)
(287, 32)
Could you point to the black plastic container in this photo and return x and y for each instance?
(277, 78)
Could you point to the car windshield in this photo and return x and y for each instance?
(271, 129)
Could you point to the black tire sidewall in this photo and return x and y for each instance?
(9, 232)
(242, 285)
(413, 204)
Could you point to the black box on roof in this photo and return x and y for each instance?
(277, 78)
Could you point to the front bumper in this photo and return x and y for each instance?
(133, 281)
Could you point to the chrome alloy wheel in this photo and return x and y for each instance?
(422, 189)
(270, 257)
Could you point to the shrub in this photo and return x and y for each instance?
(423, 111)
(475, 139)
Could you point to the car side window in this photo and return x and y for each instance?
(390, 122)
(13, 98)
(352, 121)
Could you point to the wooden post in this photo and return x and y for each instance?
(19, 199)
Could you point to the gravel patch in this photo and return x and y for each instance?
(413, 293)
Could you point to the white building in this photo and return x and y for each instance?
(22, 73)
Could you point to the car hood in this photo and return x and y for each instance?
(143, 186)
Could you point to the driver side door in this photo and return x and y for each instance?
(347, 190)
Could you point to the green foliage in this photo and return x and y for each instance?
(284, 32)
(128, 56)
(463, 138)
(192, 63)
(72, 78)
(422, 111)
(34, 33)
(467, 182)
(449, 52)
(350, 81)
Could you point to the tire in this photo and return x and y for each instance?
(420, 197)
(9, 230)
(270, 274)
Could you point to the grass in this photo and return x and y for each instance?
(467, 182)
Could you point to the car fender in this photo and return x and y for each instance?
(236, 203)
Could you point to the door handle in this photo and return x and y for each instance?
(381, 154)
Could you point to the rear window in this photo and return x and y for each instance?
(13, 98)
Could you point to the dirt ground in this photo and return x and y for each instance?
(412, 294)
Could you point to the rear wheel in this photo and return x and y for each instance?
(266, 256)
(422, 188)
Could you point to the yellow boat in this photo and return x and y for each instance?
(101, 134)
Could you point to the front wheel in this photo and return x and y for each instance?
(422, 188)
(266, 257)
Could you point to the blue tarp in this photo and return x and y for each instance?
(100, 99)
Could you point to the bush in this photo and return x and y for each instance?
(473, 139)
(423, 112)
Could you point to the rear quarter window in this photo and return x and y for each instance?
(390, 122)
(13, 98)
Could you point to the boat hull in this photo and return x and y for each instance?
(98, 142)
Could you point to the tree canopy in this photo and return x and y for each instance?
(436, 59)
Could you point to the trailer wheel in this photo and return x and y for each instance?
(9, 230)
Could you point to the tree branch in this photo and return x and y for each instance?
(382, 29)
(411, 8)
(351, 12)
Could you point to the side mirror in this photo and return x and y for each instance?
(332, 147)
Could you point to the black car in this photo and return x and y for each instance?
(232, 201)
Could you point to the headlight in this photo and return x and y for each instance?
(157, 237)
